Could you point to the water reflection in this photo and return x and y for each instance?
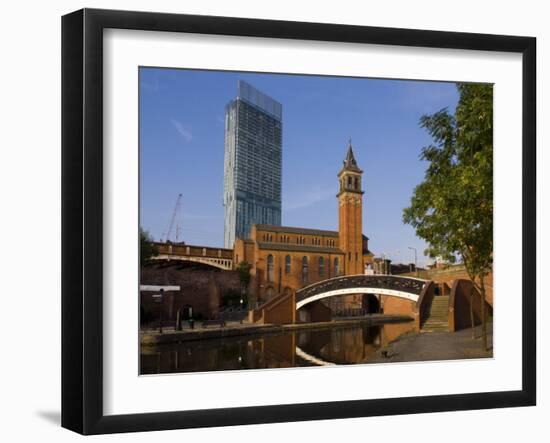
(329, 346)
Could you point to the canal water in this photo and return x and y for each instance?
(331, 345)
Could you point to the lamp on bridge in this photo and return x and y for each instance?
(415, 259)
(241, 301)
(159, 298)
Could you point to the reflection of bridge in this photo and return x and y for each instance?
(404, 287)
(401, 296)
(311, 358)
(217, 257)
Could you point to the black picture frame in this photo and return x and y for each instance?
(82, 218)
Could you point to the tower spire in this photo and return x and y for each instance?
(350, 163)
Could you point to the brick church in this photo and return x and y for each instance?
(285, 259)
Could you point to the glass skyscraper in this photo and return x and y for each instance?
(252, 163)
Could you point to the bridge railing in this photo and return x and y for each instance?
(183, 249)
(390, 282)
(349, 312)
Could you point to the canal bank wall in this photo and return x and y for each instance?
(153, 338)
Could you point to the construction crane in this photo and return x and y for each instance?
(173, 219)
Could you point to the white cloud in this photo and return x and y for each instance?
(307, 198)
(182, 130)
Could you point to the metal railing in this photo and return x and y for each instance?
(232, 314)
(389, 282)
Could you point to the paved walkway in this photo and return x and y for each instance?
(437, 346)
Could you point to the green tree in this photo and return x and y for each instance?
(147, 248)
(231, 297)
(452, 209)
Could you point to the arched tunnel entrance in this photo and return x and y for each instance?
(371, 304)
(356, 305)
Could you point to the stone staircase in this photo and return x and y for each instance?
(438, 320)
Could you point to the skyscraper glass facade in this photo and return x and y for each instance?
(252, 163)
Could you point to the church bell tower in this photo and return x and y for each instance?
(350, 199)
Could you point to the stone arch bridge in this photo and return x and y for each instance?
(403, 287)
(408, 296)
(216, 257)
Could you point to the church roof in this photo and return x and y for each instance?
(293, 230)
(299, 248)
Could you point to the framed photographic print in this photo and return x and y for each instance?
(269, 221)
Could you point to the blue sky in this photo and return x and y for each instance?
(181, 150)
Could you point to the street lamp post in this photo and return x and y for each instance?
(415, 260)
(160, 298)
(241, 302)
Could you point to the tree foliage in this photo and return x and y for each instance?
(452, 209)
(147, 248)
(231, 297)
(243, 268)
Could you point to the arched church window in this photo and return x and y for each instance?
(322, 266)
(287, 264)
(270, 268)
(336, 266)
(305, 270)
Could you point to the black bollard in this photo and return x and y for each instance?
(178, 320)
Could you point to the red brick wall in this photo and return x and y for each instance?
(318, 312)
(281, 310)
(447, 276)
(460, 300)
(200, 288)
(292, 280)
(397, 306)
(350, 229)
